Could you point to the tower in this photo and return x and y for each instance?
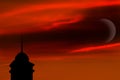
(21, 68)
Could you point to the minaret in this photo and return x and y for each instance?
(21, 68)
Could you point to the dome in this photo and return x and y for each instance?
(22, 57)
(21, 60)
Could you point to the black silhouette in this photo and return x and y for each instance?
(21, 68)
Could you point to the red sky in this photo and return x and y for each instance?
(64, 38)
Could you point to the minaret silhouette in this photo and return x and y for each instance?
(21, 68)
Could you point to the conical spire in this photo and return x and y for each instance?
(21, 43)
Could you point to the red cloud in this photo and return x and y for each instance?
(33, 8)
(94, 48)
(32, 18)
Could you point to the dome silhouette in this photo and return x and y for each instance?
(21, 57)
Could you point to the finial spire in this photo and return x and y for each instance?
(21, 44)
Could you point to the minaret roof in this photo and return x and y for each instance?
(21, 59)
(22, 56)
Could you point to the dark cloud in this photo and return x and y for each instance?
(109, 12)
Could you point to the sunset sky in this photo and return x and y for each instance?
(65, 39)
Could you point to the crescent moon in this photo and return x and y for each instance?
(112, 29)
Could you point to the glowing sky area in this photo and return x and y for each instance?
(65, 39)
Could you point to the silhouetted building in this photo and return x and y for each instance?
(21, 68)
